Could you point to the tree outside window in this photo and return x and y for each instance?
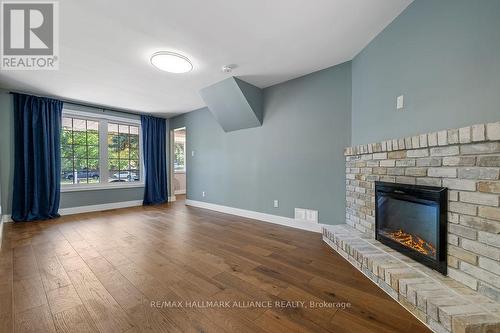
(79, 151)
(123, 153)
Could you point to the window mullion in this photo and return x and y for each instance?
(103, 151)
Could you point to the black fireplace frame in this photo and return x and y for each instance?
(412, 193)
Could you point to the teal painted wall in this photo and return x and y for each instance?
(443, 56)
(68, 199)
(296, 156)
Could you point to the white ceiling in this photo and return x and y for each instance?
(105, 46)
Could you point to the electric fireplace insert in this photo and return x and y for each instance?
(412, 219)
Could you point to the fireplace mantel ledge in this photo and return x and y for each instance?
(440, 302)
(469, 134)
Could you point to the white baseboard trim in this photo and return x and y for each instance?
(1, 231)
(93, 208)
(100, 207)
(6, 218)
(180, 192)
(281, 220)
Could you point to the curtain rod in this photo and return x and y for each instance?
(88, 105)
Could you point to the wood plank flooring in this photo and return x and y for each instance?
(99, 272)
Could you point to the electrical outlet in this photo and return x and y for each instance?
(192, 153)
(203, 194)
(276, 204)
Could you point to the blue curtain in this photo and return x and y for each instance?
(37, 128)
(154, 147)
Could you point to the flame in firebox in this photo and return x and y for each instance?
(413, 242)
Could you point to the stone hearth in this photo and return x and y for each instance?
(440, 302)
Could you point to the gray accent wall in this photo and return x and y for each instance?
(444, 56)
(68, 199)
(296, 156)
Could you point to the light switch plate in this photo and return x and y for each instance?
(400, 104)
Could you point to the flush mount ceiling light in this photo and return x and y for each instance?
(171, 62)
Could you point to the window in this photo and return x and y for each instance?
(79, 151)
(180, 150)
(123, 153)
(99, 152)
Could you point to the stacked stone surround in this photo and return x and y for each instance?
(467, 162)
(440, 302)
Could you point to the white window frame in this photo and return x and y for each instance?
(103, 120)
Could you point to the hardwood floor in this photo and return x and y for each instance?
(99, 272)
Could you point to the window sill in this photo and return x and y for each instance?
(179, 172)
(66, 188)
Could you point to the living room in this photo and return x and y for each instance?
(262, 166)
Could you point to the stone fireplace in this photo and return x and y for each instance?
(462, 167)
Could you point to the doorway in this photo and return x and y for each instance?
(179, 162)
